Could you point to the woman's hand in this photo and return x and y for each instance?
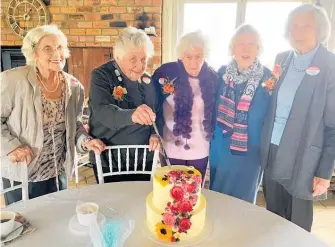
(143, 115)
(21, 154)
(154, 143)
(94, 145)
(320, 186)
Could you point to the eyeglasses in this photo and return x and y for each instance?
(48, 50)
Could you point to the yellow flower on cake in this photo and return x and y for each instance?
(163, 180)
(164, 232)
(192, 172)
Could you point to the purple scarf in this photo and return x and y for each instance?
(183, 99)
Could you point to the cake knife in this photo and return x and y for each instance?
(161, 144)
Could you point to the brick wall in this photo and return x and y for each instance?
(94, 23)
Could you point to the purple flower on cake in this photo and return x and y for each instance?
(169, 219)
(177, 193)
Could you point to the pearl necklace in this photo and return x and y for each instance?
(50, 91)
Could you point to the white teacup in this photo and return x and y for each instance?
(7, 222)
(87, 213)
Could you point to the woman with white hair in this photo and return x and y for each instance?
(298, 141)
(123, 103)
(41, 108)
(240, 112)
(187, 90)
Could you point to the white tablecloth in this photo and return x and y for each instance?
(235, 222)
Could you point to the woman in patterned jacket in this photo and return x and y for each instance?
(41, 108)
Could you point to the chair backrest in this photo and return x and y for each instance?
(137, 163)
(8, 172)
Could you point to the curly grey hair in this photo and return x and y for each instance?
(190, 40)
(322, 20)
(132, 37)
(249, 29)
(33, 37)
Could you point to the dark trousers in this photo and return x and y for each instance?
(35, 189)
(280, 202)
(200, 164)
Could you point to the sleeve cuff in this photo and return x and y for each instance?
(326, 167)
(11, 146)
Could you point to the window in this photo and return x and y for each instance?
(217, 21)
(270, 23)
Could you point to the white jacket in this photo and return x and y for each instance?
(22, 118)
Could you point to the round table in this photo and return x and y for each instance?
(235, 222)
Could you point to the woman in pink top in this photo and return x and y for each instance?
(187, 91)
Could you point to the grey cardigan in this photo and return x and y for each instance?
(22, 122)
(307, 147)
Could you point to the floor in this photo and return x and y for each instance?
(324, 211)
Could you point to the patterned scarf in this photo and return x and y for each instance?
(232, 118)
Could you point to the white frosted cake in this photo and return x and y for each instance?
(176, 209)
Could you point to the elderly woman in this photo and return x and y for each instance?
(241, 108)
(123, 103)
(298, 142)
(41, 108)
(187, 91)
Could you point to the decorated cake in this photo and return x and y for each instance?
(176, 209)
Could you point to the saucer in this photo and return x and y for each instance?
(15, 234)
(79, 229)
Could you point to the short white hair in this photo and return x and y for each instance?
(246, 29)
(33, 37)
(132, 37)
(192, 40)
(321, 17)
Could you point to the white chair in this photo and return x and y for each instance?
(21, 169)
(119, 171)
(81, 161)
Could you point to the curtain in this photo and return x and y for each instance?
(329, 6)
(173, 16)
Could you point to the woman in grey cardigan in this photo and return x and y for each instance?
(298, 146)
(41, 109)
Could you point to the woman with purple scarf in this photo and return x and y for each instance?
(187, 90)
(241, 108)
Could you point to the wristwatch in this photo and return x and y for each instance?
(87, 139)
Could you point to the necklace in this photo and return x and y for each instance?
(295, 68)
(50, 91)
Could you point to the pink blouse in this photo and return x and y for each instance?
(199, 146)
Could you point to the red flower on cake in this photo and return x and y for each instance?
(174, 174)
(197, 179)
(194, 199)
(185, 206)
(177, 193)
(169, 219)
(184, 225)
(172, 207)
(191, 188)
